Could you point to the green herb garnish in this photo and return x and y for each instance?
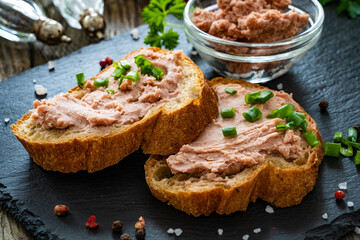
(311, 138)
(282, 112)
(157, 73)
(125, 64)
(80, 79)
(147, 67)
(118, 72)
(104, 82)
(229, 131)
(357, 158)
(155, 15)
(230, 90)
(352, 7)
(133, 76)
(121, 80)
(352, 134)
(109, 91)
(228, 112)
(252, 114)
(258, 97)
(332, 149)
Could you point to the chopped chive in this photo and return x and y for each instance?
(311, 138)
(250, 98)
(115, 64)
(352, 134)
(338, 136)
(228, 112)
(252, 114)
(264, 96)
(109, 91)
(357, 158)
(104, 82)
(118, 72)
(229, 131)
(125, 64)
(282, 112)
(302, 115)
(230, 90)
(289, 125)
(294, 117)
(139, 60)
(133, 76)
(80, 79)
(157, 73)
(121, 80)
(304, 126)
(332, 149)
(347, 142)
(347, 152)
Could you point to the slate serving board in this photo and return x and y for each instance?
(330, 71)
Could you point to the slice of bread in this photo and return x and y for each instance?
(280, 182)
(163, 130)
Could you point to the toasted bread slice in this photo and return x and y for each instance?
(278, 181)
(163, 130)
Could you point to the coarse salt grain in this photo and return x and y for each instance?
(279, 86)
(325, 216)
(350, 204)
(269, 209)
(51, 66)
(34, 80)
(40, 90)
(245, 237)
(220, 231)
(357, 230)
(135, 33)
(178, 231)
(343, 185)
(7, 120)
(257, 230)
(194, 52)
(170, 231)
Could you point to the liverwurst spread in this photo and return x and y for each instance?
(98, 107)
(213, 155)
(251, 20)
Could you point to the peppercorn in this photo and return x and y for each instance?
(117, 226)
(339, 194)
(61, 210)
(140, 233)
(125, 236)
(323, 105)
(357, 127)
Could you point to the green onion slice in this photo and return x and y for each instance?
(125, 64)
(252, 114)
(297, 119)
(284, 127)
(133, 76)
(229, 131)
(109, 91)
(357, 158)
(264, 97)
(302, 115)
(311, 138)
(121, 80)
(118, 72)
(104, 82)
(228, 112)
(230, 90)
(250, 98)
(80, 79)
(304, 126)
(346, 142)
(157, 73)
(352, 134)
(337, 137)
(332, 149)
(115, 64)
(282, 112)
(347, 152)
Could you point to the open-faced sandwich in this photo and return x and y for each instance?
(262, 145)
(154, 99)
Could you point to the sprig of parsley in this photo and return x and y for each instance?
(155, 15)
(351, 6)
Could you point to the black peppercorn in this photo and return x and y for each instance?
(323, 105)
(117, 226)
(357, 127)
(125, 236)
(140, 233)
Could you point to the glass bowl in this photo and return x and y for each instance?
(254, 62)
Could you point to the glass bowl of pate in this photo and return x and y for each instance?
(253, 40)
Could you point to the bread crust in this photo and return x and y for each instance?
(162, 131)
(280, 186)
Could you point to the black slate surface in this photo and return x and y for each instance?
(330, 71)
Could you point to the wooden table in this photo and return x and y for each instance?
(120, 16)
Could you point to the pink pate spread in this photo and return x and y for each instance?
(128, 104)
(251, 20)
(212, 154)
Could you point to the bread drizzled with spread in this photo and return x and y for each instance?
(90, 128)
(225, 174)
